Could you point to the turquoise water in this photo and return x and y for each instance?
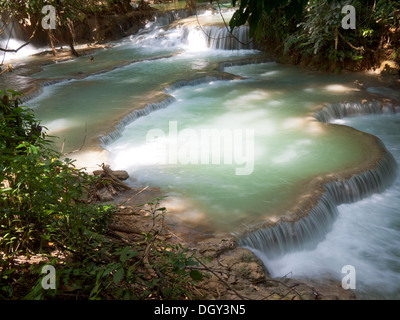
(66, 107)
(276, 148)
(267, 145)
(287, 148)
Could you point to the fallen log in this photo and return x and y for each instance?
(109, 184)
(119, 174)
(125, 229)
(109, 175)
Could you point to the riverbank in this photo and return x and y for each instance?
(234, 273)
(19, 78)
(214, 244)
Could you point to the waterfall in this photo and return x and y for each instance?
(217, 37)
(12, 37)
(308, 231)
(195, 37)
(222, 38)
(347, 109)
(141, 112)
(199, 32)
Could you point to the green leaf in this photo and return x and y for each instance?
(127, 254)
(14, 93)
(119, 275)
(196, 275)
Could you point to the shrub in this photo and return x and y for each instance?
(43, 213)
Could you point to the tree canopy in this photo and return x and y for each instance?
(68, 12)
(252, 11)
(314, 28)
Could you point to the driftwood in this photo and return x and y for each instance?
(109, 185)
(119, 174)
(114, 180)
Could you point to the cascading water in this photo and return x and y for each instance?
(341, 110)
(197, 34)
(179, 75)
(220, 38)
(199, 38)
(365, 234)
(286, 149)
(308, 231)
(134, 63)
(117, 133)
(11, 40)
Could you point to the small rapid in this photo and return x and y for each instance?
(204, 32)
(132, 72)
(192, 76)
(364, 234)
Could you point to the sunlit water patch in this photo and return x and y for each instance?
(287, 148)
(99, 100)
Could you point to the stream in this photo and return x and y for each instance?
(231, 139)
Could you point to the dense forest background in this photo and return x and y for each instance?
(311, 32)
(295, 31)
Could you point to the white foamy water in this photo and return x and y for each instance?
(365, 235)
(10, 40)
(14, 44)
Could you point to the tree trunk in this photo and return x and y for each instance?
(74, 52)
(51, 38)
(97, 36)
(191, 7)
(71, 37)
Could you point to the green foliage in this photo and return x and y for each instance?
(71, 7)
(387, 13)
(67, 10)
(319, 33)
(252, 11)
(38, 192)
(43, 214)
(147, 270)
(313, 28)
